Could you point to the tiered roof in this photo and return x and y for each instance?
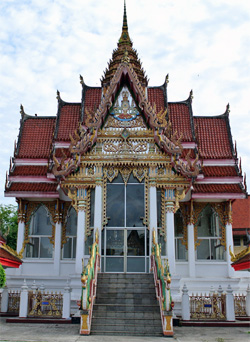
(210, 137)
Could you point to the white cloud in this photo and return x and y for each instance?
(203, 44)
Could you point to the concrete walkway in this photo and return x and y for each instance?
(70, 333)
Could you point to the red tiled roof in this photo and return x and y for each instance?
(7, 255)
(241, 213)
(180, 119)
(41, 187)
(217, 188)
(156, 96)
(59, 154)
(92, 99)
(29, 170)
(36, 137)
(69, 118)
(213, 138)
(219, 171)
(185, 151)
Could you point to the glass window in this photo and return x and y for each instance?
(125, 203)
(134, 205)
(69, 248)
(209, 234)
(180, 250)
(40, 231)
(237, 240)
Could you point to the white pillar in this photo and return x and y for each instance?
(170, 236)
(185, 305)
(24, 296)
(152, 215)
(191, 251)
(230, 315)
(57, 248)
(20, 236)
(4, 299)
(66, 301)
(80, 240)
(98, 214)
(248, 301)
(229, 242)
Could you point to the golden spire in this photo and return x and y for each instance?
(125, 39)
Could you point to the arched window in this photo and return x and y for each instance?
(69, 248)
(40, 231)
(209, 232)
(180, 250)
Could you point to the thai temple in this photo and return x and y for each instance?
(126, 165)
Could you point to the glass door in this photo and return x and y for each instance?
(124, 250)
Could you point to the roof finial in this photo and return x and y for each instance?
(125, 23)
(125, 39)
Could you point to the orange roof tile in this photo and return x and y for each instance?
(156, 96)
(41, 187)
(213, 137)
(241, 213)
(219, 171)
(69, 118)
(29, 170)
(36, 137)
(217, 188)
(92, 99)
(180, 118)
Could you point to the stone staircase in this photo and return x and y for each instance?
(126, 305)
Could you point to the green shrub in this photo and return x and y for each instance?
(2, 276)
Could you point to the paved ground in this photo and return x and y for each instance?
(69, 332)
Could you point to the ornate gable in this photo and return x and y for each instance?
(125, 125)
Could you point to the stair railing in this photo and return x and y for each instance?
(162, 280)
(89, 285)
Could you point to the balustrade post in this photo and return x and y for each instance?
(5, 299)
(24, 296)
(185, 304)
(248, 301)
(66, 301)
(230, 314)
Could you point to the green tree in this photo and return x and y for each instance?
(2, 277)
(8, 224)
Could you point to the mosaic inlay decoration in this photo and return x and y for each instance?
(125, 108)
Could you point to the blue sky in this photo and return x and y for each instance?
(204, 45)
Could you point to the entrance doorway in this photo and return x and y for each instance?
(125, 250)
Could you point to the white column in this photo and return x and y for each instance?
(170, 236)
(230, 315)
(20, 236)
(191, 251)
(248, 301)
(57, 248)
(66, 301)
(24, 295)
(229, 242)
(4, 299)
(80, 240)
(185, 305)
(98, 214)
(152, 215)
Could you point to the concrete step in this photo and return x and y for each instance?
(126, 321)
(129, 289)
(126, 308)
(131, 301)
(127, 314)
(126, 304)
(131, 329)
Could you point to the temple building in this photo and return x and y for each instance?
(125, 161)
